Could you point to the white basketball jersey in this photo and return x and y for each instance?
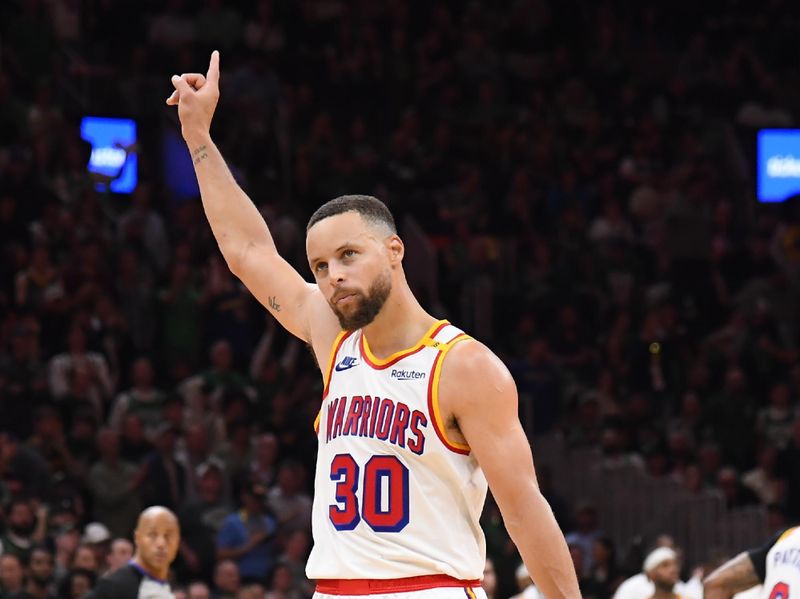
(783, 567)
(394, 498)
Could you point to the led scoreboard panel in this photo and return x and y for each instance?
(777, 164)
(109, 138)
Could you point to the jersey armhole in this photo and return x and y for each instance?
(433, 395)
(758, 556)
(326, 375)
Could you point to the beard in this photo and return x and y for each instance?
(23, 530)
(42, 581)
(366, 307)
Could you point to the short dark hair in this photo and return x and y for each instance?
(370, 208)
(65, 587)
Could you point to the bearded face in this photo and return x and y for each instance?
(356, 309)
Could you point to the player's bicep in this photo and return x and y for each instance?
(281, 289)
(498, 442)
(486, 413)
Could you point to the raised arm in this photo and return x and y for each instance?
(480, 393)
(240, 230)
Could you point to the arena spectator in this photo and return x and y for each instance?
(111, 484)
(76, 365)
(287, 500)
(120, 554)
(227, 581)
(198, 590)
(143, 399)
(584, 535)
(85, 558)
(294, 556)
(161, 477)
(281, 584)
(201, 520)
(39, 575)
(21, 529)
(263, 465)
(247, 536)
(489, 581)
(77, 584)
(12, 575)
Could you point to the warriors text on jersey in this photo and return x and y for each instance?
(778, 565)
(394, 497)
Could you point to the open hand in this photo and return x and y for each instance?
(196, 97)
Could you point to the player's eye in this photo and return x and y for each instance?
(348, 253)
(320, 266)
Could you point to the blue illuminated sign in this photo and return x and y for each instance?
(109, 137)
(778, 164)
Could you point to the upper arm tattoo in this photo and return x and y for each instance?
(273, 303)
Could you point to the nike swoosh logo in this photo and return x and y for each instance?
(340, 366)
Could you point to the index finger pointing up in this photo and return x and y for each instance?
(213, 68)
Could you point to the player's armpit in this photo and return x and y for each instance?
(476, 388)
(734, 576)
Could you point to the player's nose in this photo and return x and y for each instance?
(336, 274)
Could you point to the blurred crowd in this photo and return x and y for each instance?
(582, 170)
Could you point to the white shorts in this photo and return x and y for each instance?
(438, 593)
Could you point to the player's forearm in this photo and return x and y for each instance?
(533, 528)
(732, 577)
(235, 221)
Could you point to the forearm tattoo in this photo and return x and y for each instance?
(199, 154)
(273, 303)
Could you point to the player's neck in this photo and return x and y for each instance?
(401, 323)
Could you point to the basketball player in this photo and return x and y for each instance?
(416, 416)
(776, 566)
(661, 568)
(145, 576)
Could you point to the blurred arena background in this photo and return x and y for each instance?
(577, 183)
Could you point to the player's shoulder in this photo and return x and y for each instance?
(468, 353)
(469, 364)
(790, 534)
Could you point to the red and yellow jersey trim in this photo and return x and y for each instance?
(326, 374)
(786, 533)
(351, 587)
(380, 364)
(433, 397)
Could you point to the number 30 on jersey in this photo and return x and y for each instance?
(384, 504)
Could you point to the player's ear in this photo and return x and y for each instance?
(396, 249)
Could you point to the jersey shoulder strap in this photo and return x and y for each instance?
(443, 341)
(446, 338)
